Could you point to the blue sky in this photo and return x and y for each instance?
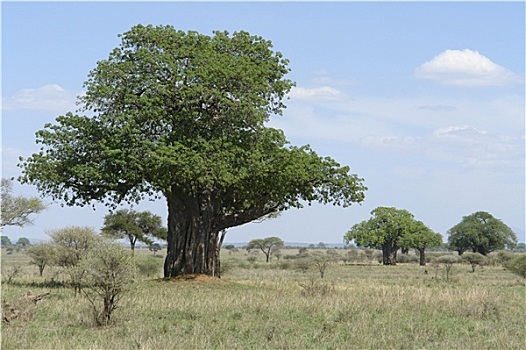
(426, 101)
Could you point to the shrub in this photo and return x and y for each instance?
(302, 264)
(406, 258)
(503, 257)
(517, 265)
(353, 255)
(71, 245)
(448, 261)
(108, 275)
(474, 259)
(431, 256)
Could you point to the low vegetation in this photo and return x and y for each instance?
(358, 304)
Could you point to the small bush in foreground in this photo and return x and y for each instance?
(108, 275)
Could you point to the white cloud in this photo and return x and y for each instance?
(466, 68)
(462, 146)
(458, 132)
(50, 97)
(324, 93)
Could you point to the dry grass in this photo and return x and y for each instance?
(265, 307)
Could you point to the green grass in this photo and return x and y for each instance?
(261, 306)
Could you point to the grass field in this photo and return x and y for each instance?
(273, 306)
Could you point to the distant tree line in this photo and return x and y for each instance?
(392, 229)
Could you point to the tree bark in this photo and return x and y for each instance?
(132, 245)
(422, 253)
(194, 223)
(389, 253)
(192, 244)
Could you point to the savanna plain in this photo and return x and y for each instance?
(277, 305)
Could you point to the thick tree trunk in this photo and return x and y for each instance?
(422, 257)
(389, 253)
(194, 223)
(192, 244)
(132, 245)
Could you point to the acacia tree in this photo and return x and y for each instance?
(41, 255)
(382, 231)
(420, 237)
(133, 225)
(321, 260)
(17, 210)
(266, 245)
(481, 233)
(182, 115)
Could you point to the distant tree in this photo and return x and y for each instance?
(321, 260)
(382, 231)
(474, 259)
(17, 211)
(133, 225)
(322, 245)
(278, 254)
(521, 247)
(517, 265)
(420, 237)
(6, 241)
(481, 233)
(72, 243)
(41, 255)
(155, 247)
(266, 245)
(23, 242)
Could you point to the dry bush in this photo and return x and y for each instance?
(108, 276)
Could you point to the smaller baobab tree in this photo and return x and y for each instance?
(481, 233)
(134, 226)
(420, 237)
(382, 231)
(266, 245)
